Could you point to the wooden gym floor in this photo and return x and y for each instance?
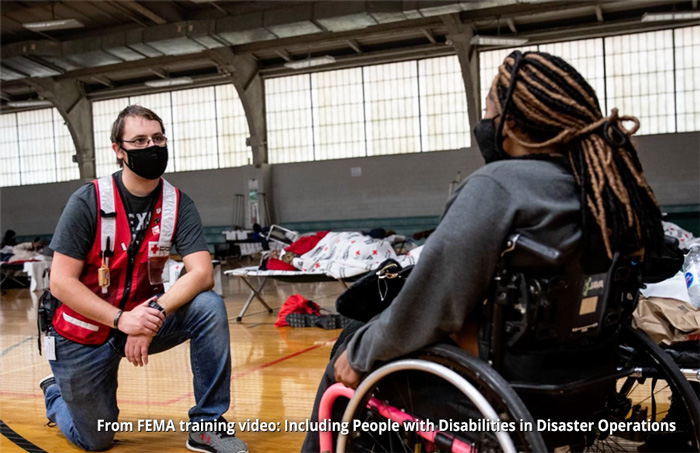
(274, 377)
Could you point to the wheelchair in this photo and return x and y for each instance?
(551, 375)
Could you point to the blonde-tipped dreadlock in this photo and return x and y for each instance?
(553, 105)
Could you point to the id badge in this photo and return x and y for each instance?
(50, 347)
(157, 258)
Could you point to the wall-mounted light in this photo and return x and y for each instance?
(482, 40)
(310, 62)
(675, 15)
(30, 103)
(58, 24)
(160, 83)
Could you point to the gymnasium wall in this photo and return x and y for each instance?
(411, 185)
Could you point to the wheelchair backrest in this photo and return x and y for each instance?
(553, 304)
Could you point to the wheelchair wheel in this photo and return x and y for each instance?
(463, 398)
(655, 392)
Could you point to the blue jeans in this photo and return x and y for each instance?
(86, 376)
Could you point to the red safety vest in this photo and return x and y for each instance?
(130, 284)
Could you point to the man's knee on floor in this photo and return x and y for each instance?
(97, 441)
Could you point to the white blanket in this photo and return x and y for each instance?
(347, 254)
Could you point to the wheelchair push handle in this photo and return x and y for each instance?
(516, 242)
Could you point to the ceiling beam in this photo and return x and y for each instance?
(139, 88)
(219, 8)
(355, 46)
(125, 12)
(13, 70)
(19, 23)
(159, 72)
(145, 63)
(429, 34)
(42, 62)
(284, 54)
(74, 12)
(136, 6)
(361, 41)
(390, 29)
(352, 61)
(171, 11)
(366, 33)
(103, 80)
(104, 7)
(594, 30)
(521, 10)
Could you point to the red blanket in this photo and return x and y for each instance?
(298, 247)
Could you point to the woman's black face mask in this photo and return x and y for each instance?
(148, 163)
(485, 134)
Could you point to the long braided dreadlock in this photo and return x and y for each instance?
(553, 105)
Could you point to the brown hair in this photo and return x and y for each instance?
(554, 105)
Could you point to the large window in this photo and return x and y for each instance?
(687, 61)
(443, 105)
(103, 115)
(654, 76)
(194, 129)
(640, 78)
(66, 168)
(206, 128)
(384, 109)
(289, 119)
(392, 108)
(231, 128)
(35, 147)
(9, 151)
(338, 116)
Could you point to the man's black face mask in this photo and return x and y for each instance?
(485, 134)
(148, 163)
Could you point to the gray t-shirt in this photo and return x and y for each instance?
(535, 197)
(77, 226)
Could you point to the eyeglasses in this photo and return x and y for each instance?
(142, 142)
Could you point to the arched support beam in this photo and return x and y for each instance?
(71, 102)
(244, 71)
(460, 35)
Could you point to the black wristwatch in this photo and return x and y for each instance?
(156, 305)
(116, 319)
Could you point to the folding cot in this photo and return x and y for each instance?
(285, 237)
(35, 270)
(248, 274)
(9, 271)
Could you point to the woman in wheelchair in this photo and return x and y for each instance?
(567, 179)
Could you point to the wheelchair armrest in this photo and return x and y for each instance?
(518, 242)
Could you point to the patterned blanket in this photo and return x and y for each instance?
(347, 254)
